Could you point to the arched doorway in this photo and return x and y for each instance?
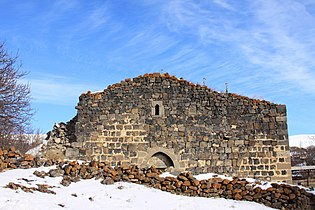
(161, 161)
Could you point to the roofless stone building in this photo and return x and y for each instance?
(158, 119)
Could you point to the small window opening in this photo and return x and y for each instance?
(157, 109)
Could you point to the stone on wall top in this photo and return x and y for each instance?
(133, 81)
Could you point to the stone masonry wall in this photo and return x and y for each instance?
(159, 119)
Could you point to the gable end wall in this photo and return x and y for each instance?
(200, 130)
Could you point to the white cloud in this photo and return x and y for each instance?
(211, 26)
(286, 48)
(53, 89)
(272, 36)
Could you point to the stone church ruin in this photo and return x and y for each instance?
(160, 120)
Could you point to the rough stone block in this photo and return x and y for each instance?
(281, 119)
(239, 142)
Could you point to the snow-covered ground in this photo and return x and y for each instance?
(37, 149)
(304, 140)
(91, 194)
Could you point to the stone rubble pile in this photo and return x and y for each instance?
(11, 158)
(279, 196)
(63, 133)
(60, 141)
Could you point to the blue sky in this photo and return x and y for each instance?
(263, 49)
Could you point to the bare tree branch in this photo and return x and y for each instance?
(15, 109)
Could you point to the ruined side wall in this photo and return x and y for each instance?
(198, 129)
(61, 141)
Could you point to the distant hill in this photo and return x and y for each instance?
(304, 140)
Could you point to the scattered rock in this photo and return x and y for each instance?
(65, 181)
(108, 181)
(26, 180)
(40, 174)
(12, 186)
(62, 205)
(41, 188)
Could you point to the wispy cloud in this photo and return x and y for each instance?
(198, 18)
(54, 89)
(98, 17)
(284, 45)
(56, 12)
(224, 4)
(269, 36)
(93, 19)
(148, 42)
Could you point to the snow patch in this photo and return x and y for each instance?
(91, 194)
(304, 140)
(211, 175)
(37, 149)
(167, 174)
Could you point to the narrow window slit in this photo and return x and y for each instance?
(157, 109)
